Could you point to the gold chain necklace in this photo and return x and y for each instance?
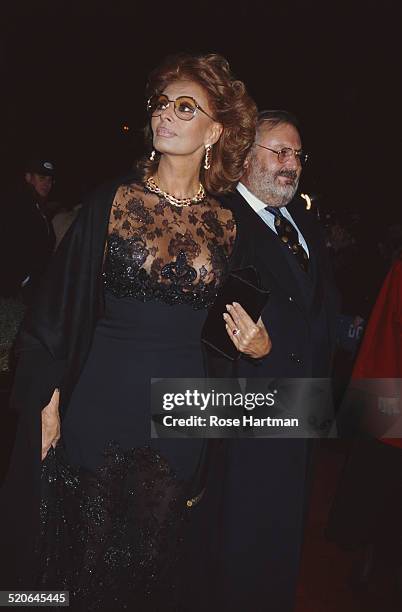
(151, 185)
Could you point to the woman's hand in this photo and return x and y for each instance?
(50, 424)
(248, 337)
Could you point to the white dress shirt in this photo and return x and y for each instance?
(268, 217)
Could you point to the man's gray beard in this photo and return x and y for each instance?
(262, 184)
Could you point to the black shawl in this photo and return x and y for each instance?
(52, 346)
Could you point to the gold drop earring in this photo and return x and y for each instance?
(207, 160)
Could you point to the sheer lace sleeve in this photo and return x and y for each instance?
(158, 251)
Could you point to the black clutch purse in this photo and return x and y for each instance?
(242, 286)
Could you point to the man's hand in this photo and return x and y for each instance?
(248, 337)
(50, 424)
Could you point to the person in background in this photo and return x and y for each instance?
(29, 238)
(367, 507)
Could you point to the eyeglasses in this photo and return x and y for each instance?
(286, 153)
(185, 107)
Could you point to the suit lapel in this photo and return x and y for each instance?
(303, 221)
(307, 226)
(267, 248)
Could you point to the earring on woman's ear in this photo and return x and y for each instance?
(152, 156)
(207, 160)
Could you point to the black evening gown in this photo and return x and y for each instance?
(114, 513)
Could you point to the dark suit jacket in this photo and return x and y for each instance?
(266, 489)
(286, 314)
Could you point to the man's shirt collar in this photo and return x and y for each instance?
(254, 202)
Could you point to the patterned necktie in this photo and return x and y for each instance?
(289, 236)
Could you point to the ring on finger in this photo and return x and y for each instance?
(236, 331)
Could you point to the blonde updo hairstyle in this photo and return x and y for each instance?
(230, 105)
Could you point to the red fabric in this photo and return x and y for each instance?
(380, 354)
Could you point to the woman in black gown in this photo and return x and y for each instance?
(124, 302)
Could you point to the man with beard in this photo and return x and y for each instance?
(267, 482)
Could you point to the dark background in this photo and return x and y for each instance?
(74, 73)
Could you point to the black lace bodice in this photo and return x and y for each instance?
(157, 251)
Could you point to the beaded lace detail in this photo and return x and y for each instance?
(156, 251)
(120, 525)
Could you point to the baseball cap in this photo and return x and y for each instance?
(45, 167)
